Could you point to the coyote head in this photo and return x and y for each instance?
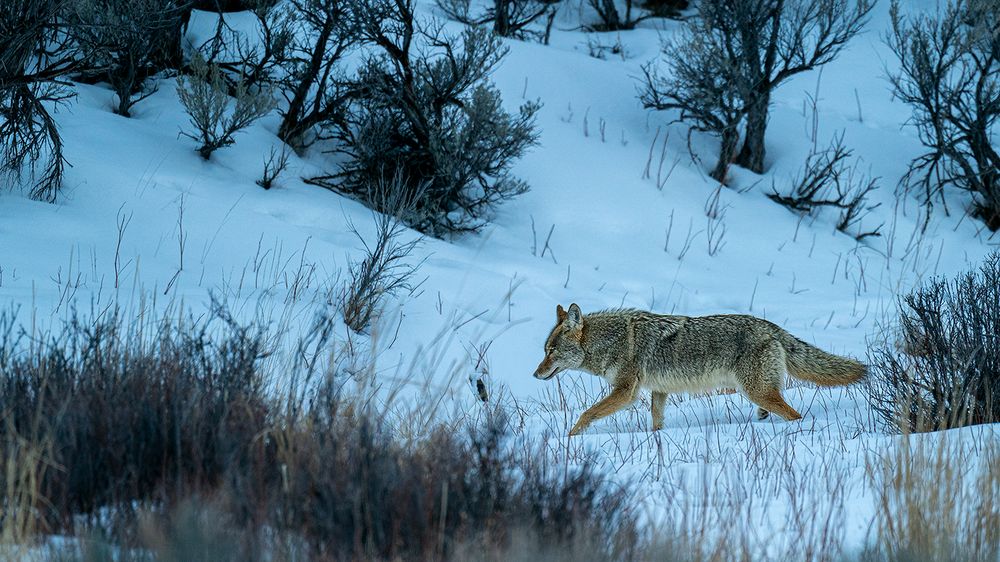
(563, 348)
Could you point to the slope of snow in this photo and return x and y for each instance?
(145, 221)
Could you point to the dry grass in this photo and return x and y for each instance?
(24, 465)
(149, 432)
(935, 501)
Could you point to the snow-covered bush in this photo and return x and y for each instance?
(945, 370)
(950, 76)
(127, 41)
(425, 114)
(215, 115)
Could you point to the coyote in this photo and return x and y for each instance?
(633, 348)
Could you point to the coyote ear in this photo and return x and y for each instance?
(560, 313)
(574, 316)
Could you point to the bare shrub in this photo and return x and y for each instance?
(737, 53)
(828, 180)
(610, 19)
(699, 85)
(274, 165)
(946, 372)
(934, 501)
(296, 50)
(446, 494)
(508, 18)
(384, 270)
(316, 95)
(778, 39)
(215, 118)
(950, 76)
(253, 56)
(426, 116)
(125, 416)
(36, 58)
(126, 42)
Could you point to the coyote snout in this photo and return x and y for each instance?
(563, 348)
(633, 349)
(545, 370)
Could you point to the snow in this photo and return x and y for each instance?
(609, 226)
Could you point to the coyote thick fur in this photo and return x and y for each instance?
(632, 349)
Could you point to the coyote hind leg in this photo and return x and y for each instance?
(771, 401)
(763, 381)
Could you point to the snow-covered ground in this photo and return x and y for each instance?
(143, 220)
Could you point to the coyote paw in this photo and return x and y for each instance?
(657, 426)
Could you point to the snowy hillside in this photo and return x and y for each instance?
(145, 222)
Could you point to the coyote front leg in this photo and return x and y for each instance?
(622, 395)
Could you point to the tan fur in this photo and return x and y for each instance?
(634, 349)
(658, 401)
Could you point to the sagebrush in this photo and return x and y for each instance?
(944, 370)
(216, 116)
(125, 42)
(426, 118)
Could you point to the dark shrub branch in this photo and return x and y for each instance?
(274, 165)
(385, 269)
(724, 66)
(36, 58)
(779, 39)
(315, 93)
(508, 18)
(698, 85)
(828, 180)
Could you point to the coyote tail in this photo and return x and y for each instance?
(809, 363)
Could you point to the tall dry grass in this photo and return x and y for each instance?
(936, 501)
